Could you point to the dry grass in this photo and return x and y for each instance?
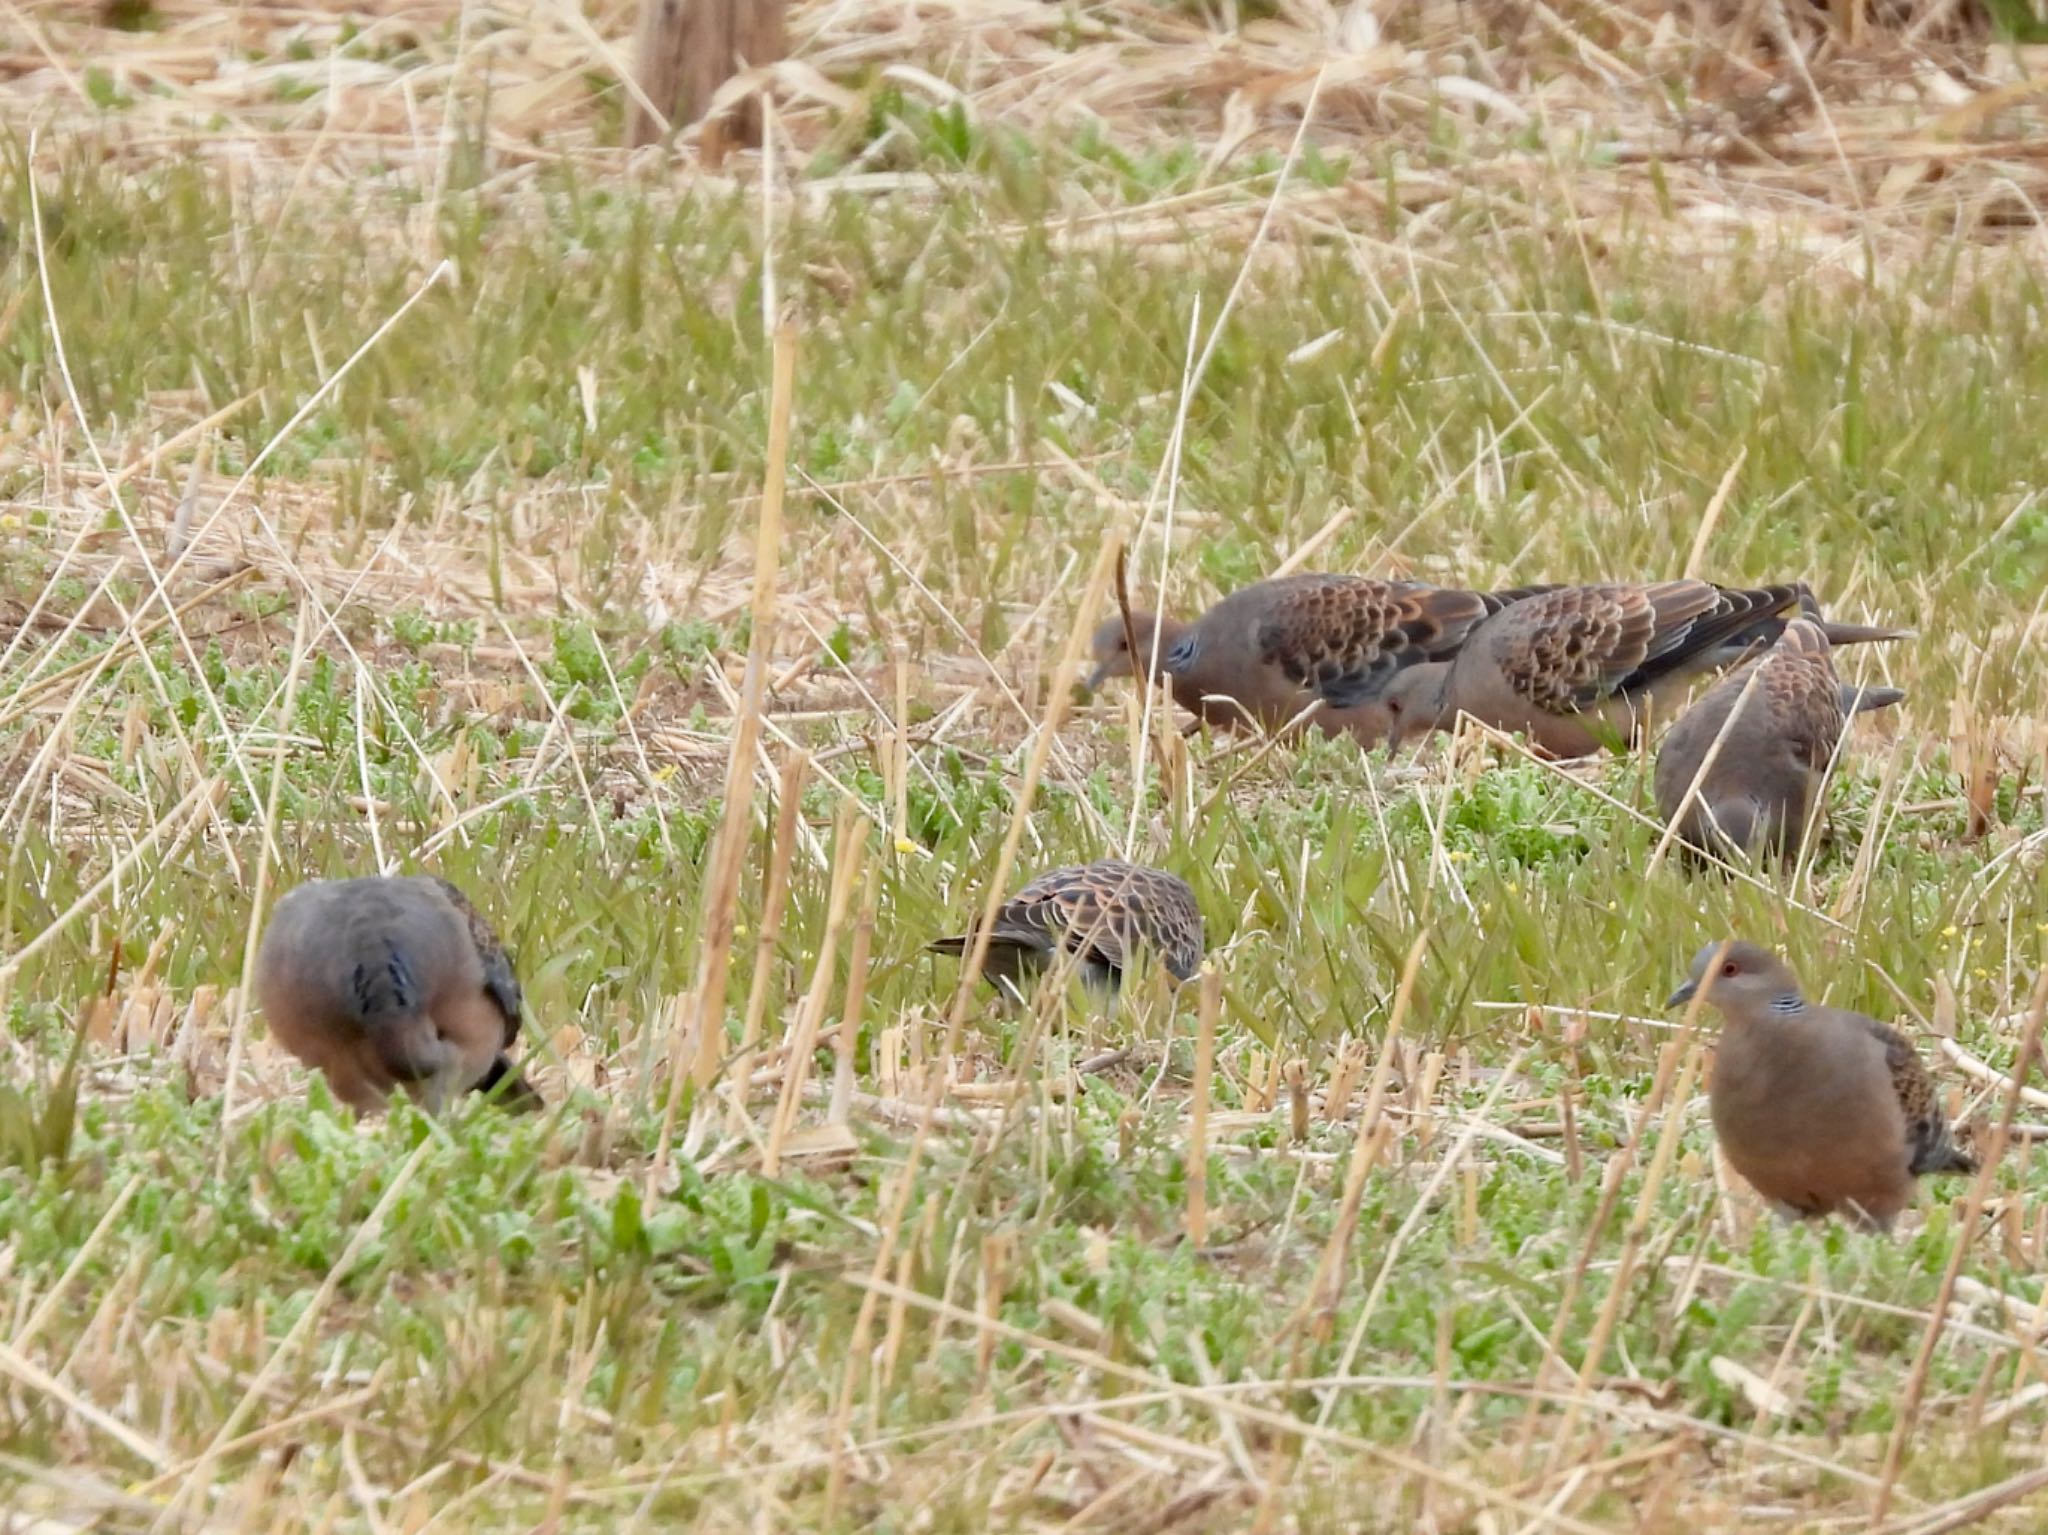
(1836, 125)
(374, 513)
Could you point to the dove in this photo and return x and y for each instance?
(1100, 917)
(1581, 667)
(1267, 652)
(384, 983)
(1823, 1111)
(1779, 720)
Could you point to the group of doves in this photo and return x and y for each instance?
(398, 983)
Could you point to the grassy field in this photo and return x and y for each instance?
(406, 511)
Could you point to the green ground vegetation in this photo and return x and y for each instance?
(528, 1334)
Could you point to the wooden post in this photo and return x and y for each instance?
(686, 50)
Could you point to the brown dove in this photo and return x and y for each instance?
(1099, 915)
(1822, 1110)
(1269, 651)
(1783, 717)
(391, 982)
(1579, 667)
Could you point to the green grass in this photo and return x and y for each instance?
(526, 1336)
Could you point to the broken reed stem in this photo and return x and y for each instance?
(705, 1016)
(1983, 1071)
(1145, 676)
(1210, 1002)
(848, 1033)
(1567, 1112)
(1610, 1195)
(899, 1314)
(989, 1305)
(1424, 1203)
(935, 1080)
(899, 753)
(238, 1028)
(1192, 375)
(739, 785)
(369, 790)
(1311, 546)
(1686, 1047)
(771, 306)
(1711, 518)
(1877, 829)
(849, 849)
(1327, 1282)
(1959, 1250)
(1768, 1400)
(789, 793)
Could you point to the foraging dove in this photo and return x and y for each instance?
(391, 982)
(1822, 1110)
(1579, 667)
(1100, 915)
(1778, 722)
(1269, 651)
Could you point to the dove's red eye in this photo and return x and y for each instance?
(1731, 968)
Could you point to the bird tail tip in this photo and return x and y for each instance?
(507, 1085)
(1948, 1157)
(1862, 634)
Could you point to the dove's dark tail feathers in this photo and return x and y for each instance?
(1938, 1153)
(1009, 961)
(1845, 634)
(1864, 699)
(504, 1084)
(1858, 634)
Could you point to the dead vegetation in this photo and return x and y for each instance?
(1359, 1155)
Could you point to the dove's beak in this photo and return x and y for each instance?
(1684, 994)
(1097, 677)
